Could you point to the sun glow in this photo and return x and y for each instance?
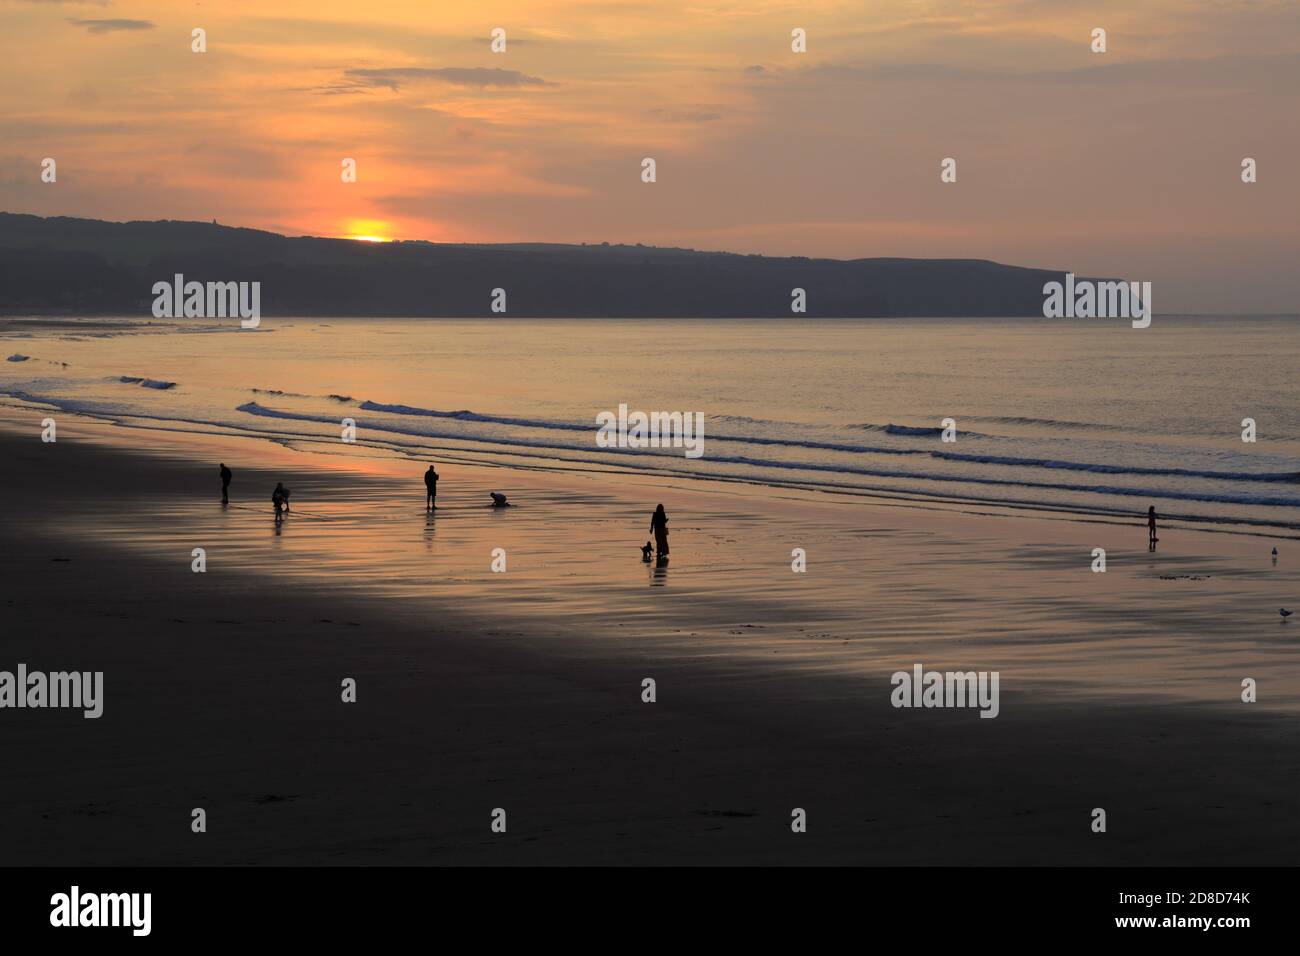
(368, 230)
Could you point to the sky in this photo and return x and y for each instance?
(1125, 163)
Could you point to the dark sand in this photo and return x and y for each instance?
(222, 692)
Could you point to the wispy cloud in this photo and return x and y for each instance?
(111, 26)
(394, 77)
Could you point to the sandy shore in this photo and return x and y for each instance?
(522, 690)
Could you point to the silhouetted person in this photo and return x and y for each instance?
(499, 500)
(1151, 527)
(430, 489)
(280, 498)
(225, 483)
(646, 552)
(659, 527)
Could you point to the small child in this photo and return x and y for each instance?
(647, 551)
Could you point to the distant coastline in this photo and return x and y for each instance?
(69, 266)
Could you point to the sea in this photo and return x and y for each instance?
(1081, 416)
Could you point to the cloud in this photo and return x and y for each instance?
(339, 90)
(111, 26)
(394, 77)
(1256, 71)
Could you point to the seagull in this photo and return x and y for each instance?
(1284, 612)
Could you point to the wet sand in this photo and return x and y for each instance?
(522, 690)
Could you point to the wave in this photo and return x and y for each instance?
(1010, 461)
(146, 382)
(911, 431)
(65, 404)
(746, 420)
(465, 415)
(1044, 422)
(1006, 461)
(280, 393)
(253, 408)
(1054, 486)
(1049, 463)
(730, 467)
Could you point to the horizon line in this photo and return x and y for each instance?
(376, 240)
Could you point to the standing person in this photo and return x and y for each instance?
(430, 489)
(659, 527)
(279, 499)
(225, 484)
(1151, 527)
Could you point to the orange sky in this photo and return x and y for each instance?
(1124, 163)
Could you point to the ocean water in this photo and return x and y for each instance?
(1087, 416)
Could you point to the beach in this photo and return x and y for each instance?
(522, 689)
(453, 444)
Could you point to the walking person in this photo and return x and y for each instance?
(1151, 528)
(659, 528)
(226, 475)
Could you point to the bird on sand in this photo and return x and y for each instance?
(1284, 612)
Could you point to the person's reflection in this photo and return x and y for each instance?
(659, 576)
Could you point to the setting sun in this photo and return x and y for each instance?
(368, 230)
